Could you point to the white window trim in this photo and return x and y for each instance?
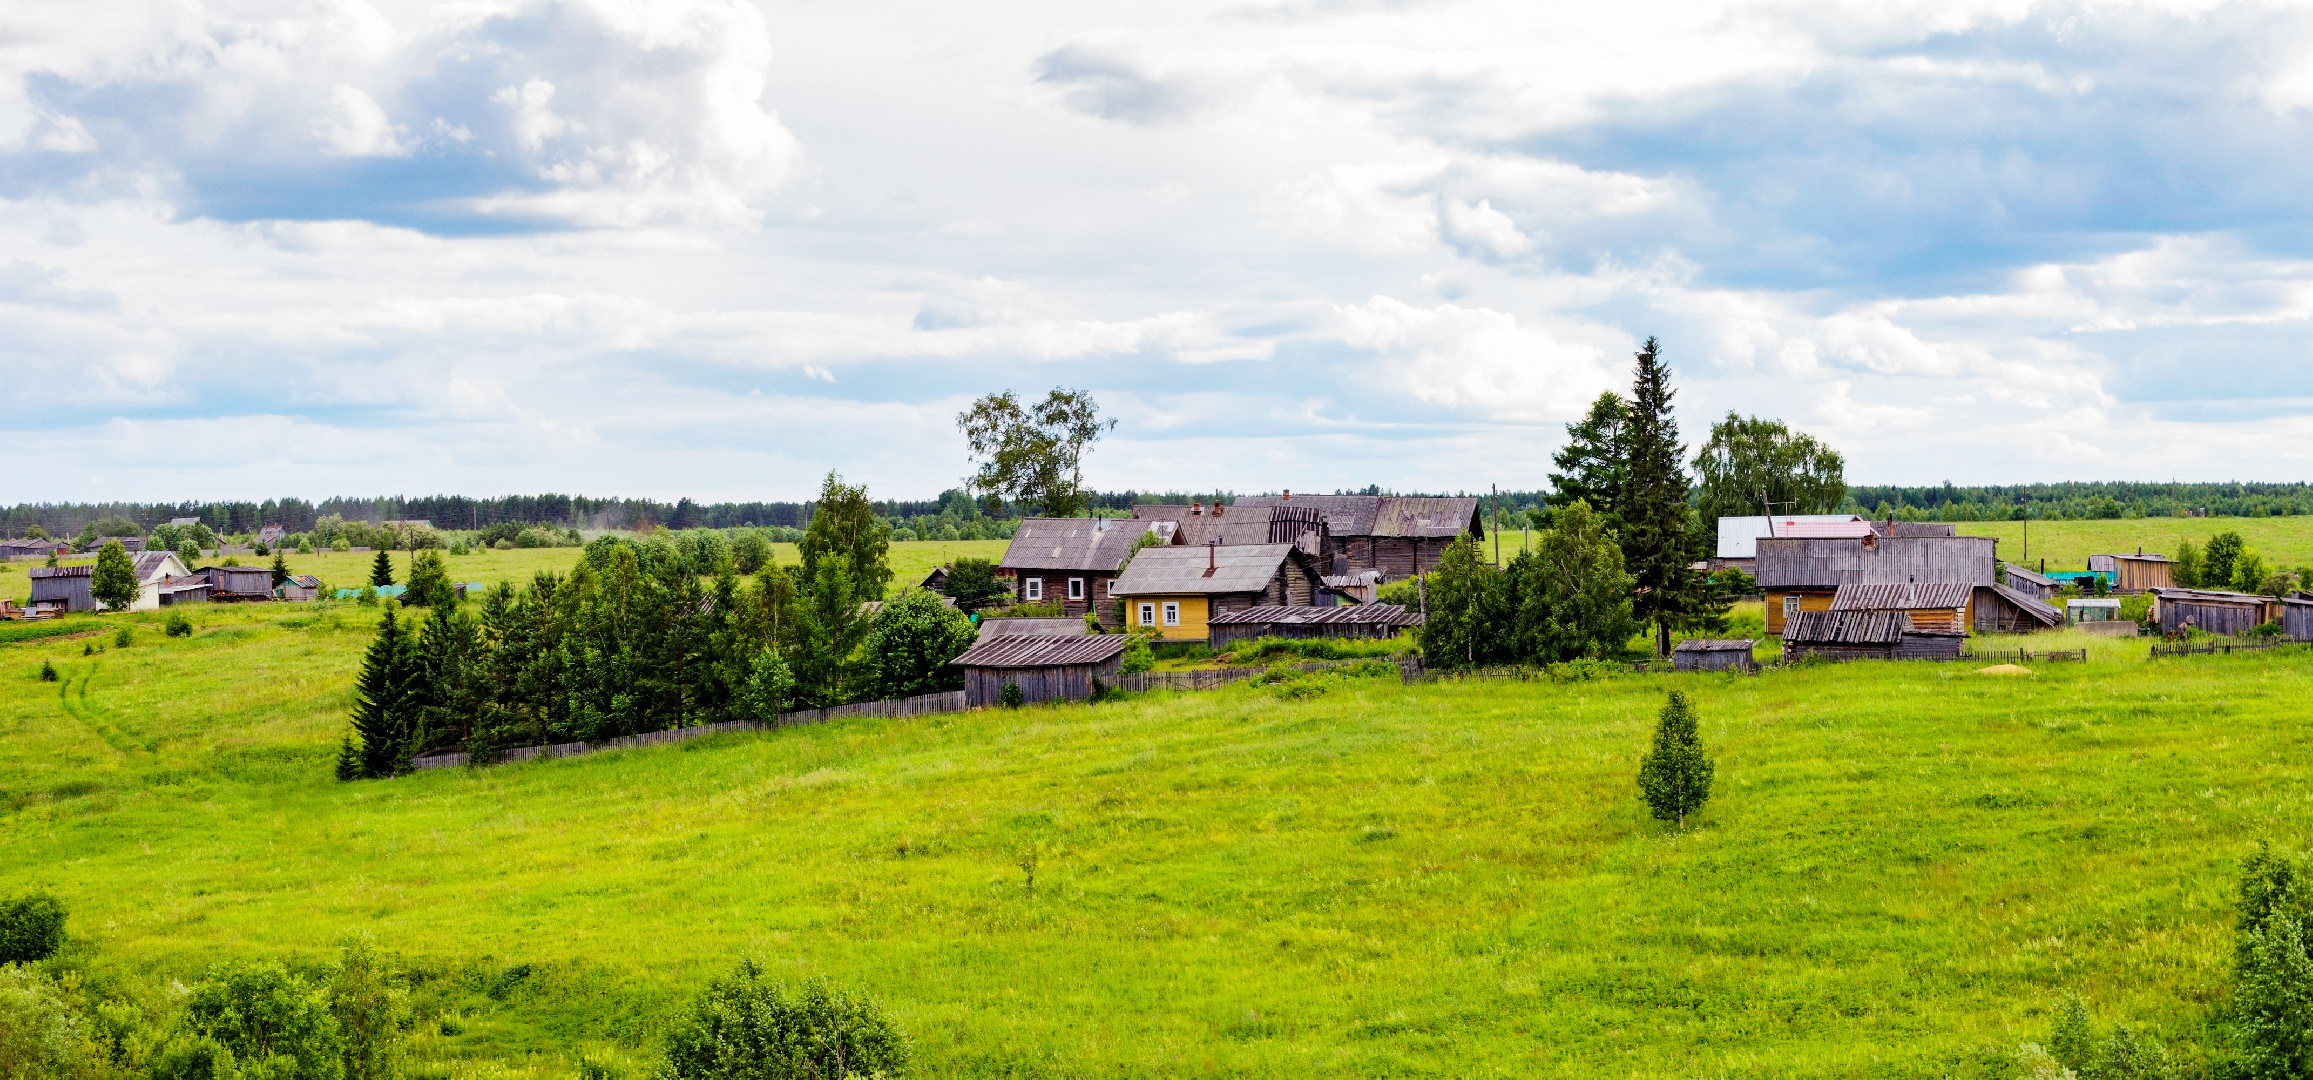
(1172, 613)
(1148, 614)
(1032, 589)
(1790, 604)
(1076, 588)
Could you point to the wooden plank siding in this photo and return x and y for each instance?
(984, 687)
(1053, 585)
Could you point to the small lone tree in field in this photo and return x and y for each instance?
(1675, 775)
(114, 581)
(381, 572)
(280, 569)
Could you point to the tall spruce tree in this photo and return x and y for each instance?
(1657, 530)
(280, 569)
(381, 571)
(1675, 775)
(383, 713)
(1594, 462)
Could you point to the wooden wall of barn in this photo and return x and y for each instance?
(1997, 615)
(71, 591)
(2209, 618)
(984, 687)
(1929, 647)
(2297, 621)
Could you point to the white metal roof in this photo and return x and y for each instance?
(1739, 536)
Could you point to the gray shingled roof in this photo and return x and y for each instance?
(2031, 605)
(1385, 515)
(1027, 651)
(1901, 597)
(1386, 614)
(1846, 627)
(1095, 545)
(2018, 573)
(1741, 645)
(1792, 563)
(83, 570)
(1170, 570)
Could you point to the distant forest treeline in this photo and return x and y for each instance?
(1937, 503)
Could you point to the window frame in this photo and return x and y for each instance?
(1148, 613)
(1172, 613)
(1032, 589)
(1790, 605)
(1076, 588)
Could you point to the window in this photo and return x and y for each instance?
(1076, 588)
(1172, 614)
(1790, 605)
(1033, 589)
(1148, 614)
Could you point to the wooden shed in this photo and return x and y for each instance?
(1938, 605)
(1806, 573)
(2206, 610)
(63, 588)
(1285, 621)
(1044, 668)
(1175, 591)
(2134, 574)
(2006, 609)
(1866, 635)
(2296, 617)
(2037, 586)
(239, 582)
(1713, 654)
(300, 587)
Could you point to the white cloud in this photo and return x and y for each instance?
(356, 127)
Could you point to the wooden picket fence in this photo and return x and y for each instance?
(921, 705)
(2214, 647)
(1215, 678)
(2026, 656)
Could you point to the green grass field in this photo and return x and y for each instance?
(2283, 541)
(1905, 864)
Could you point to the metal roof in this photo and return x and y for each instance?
(1092, 545)
(1288, 615)
(2031, 605)
(83, 570)
(2093, 602)
(1164, 571)
(2109, 563)
(998, 627)
(1905, 597)
(1799, 563)
(1742, 645)
(149, 563)
(1030, 651)
(2015, 572)
(1739, 535)
(1847, 627)
(2208, 596)
(1386, 515)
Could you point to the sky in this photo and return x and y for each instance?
(718, 248)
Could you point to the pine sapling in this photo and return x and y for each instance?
(1675, 775)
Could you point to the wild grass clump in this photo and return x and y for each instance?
(1269, 650)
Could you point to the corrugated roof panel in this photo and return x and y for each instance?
(1904, 597)
(1026, 651)
(1387, 614)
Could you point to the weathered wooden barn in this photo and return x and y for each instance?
(1866, 635)
(2037, 586)
(1044, 668)
(2006, 609)
(30, 549)
(2207, 610)
(1399, 535)
(1176, 591)
(1286, 621)
(2133, 574)
(2296, 617)
(1713, 654)
(62, 588)
(233, 583)
(304, 587)
(1805, 574)
(1940, 605)
(1071, 562)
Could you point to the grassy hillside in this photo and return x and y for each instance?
(910, 561)
(1905, 864)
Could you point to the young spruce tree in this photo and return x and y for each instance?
(381, 572)
(1675, 775)
(383, 719)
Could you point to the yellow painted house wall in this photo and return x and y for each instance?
(1194, 611)
(1808, 601)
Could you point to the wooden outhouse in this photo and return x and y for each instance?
(1713, 654)
(1044, 668)
(1286, 621)
(1175, 591)
(1806, 573)
(1070, 561)
(1866, 635)
(2207, 610)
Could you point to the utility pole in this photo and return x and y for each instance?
(2024, 503)
(1497, 526)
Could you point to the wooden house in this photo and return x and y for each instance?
(1175, 591)
(1286, 621)
(937, 580)
(271, 535)
(30, 549)
(2207, 610)
(1865, 635)
(1071, 562)
(2037, 586)
(2133, 574)
(1713, 654)
(2005, 609)
(300, 587)
(62, 588)
(230, 583)
(1805, 573)
(1399, 535)
(1739, 536)
(162, 579)
(1044, 668)
(1938, 605)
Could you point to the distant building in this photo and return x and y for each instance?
(1070, 562)
(1399, 535)
(163, 580)
(2037, 586)
(1713, 654)
(1739, 536)
(271, 535)
(235, 583)
(1044, 668)
(2208, 610)
(1175, 591)
(2134, 574)
(300, 587)
(62, 588)
(1800, 574)
(1286, 621)
(2006, 609)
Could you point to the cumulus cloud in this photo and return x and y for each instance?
(356, 127)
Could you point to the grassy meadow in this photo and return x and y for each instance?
(2283, 541)
(1905, 864)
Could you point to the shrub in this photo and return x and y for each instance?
(744, 1025)
(269, 1019)
(367, 596)
(2271, 1015)
(48, 672)
(340, 545)
(1138, 656)
(40, 1034)
(178, 625)
(194, 1057)
(1012, 698)
(502, 545)
(123, 638)
(31, 928)
(371, 1010)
